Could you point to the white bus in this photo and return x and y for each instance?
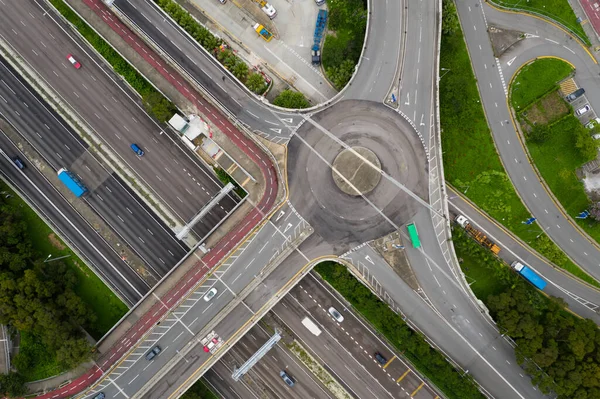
(312, 327)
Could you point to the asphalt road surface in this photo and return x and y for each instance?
(109, 197)
(581, 298)
(112, 113)
(263, 379)
(491, 82)
(340, 219)
(81, 236)
(347, 349)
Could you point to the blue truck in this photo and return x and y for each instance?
(318, 37)
(529, 275)
(72, 182)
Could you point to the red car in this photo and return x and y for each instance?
(73, 61)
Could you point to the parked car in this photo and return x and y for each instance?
(153, 353)
(577, 93)
(336, 315)
(596, 136)
(286, 378)
(100, 396)
(19, 162)
(210, 294)
(320, 2)
(137, 150)
(379, 357)
(583, 110)
(73, 61)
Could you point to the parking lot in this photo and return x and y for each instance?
(288, 55)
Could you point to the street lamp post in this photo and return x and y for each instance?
(444, 74)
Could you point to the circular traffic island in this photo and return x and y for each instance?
(356, 171)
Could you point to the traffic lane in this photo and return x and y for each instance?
(218, 377)
(350, 372)
(219, 212)
(174, 332)
(268, 368)
(516, 162)
(91, 247)
(382, 51)
(353, 335)
(581, 298)
(489, 360)
(96, 103)
(60, 147)
(417, 97)
(206, 71)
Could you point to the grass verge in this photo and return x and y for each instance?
(347, 24)
(199, 390)
(557, 10)
(536, 80)
(413, 346)
(471, 163)
(107, 307)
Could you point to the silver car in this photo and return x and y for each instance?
(336, 315)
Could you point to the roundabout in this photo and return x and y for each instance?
(336, 181)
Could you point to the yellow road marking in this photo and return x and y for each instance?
(403, 375)
(417, 390)
(232, 168)
(389, 361)
(245, 181)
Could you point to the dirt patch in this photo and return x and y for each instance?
(55, 241)
(545, 111)
(503, 39)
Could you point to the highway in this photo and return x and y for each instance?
(347, 349)
(487, 70)
(581, 298)
(76, 231)
(59, 146)
(206, 72)
(94, 96)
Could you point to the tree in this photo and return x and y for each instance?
(12, 385)
(240, 70)
(291, 99)
(594, 210)
(450, 22)
(158, 106)
(256, 83)
(73, 352)
(585, 143)
(539, 134)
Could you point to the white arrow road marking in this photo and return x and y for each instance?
(275, 130)
(407, 99)
(280, 215)
(368, 258)
(287, 120)
(511, 61)
(289, 225)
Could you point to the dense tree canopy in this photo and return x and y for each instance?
(38, 297)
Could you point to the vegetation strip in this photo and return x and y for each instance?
(347, 26)
(559, 145)
(427, 360)
(559, 11)
(558, 349)
(471, 163)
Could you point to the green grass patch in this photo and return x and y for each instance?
(557, 159)
(199, 390)
(43, 362)
(347, 25)
(471, 163)
(557, 10)
(101, 300)
(536, 80)
(413, 346)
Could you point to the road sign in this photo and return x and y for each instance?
(393, 98)
(529, 221)
(583, 215)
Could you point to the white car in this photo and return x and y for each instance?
(270, 11)
(210, 294)
(583, 110)
(336, 315)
